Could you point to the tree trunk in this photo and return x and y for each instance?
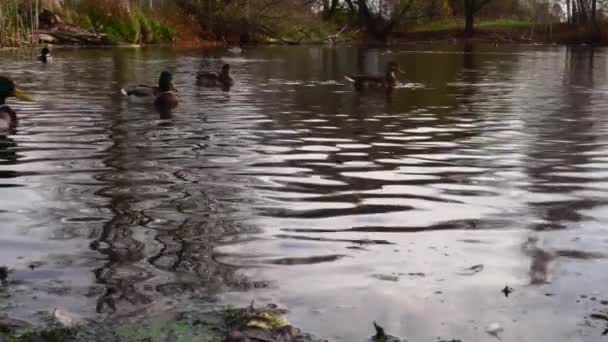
(594, 14)
(351, 7)
(583, 16)
(469, 12)
(329, 8)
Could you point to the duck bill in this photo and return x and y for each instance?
(22, 95)
(173, 88)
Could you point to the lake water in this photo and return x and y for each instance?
(488, 168)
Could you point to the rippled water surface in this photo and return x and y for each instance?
(487, 167)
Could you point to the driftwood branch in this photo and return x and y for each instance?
(70, 37)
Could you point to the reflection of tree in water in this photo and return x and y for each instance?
(563, 138)
(179, 259)
(160, 243)
(8, 154)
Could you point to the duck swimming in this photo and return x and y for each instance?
(216, 79)
(388, 80)
(163, 96)
(45, 55)
(8, 117)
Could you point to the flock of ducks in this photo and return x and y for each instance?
(164, 95)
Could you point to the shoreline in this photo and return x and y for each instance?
(216, 323)
(392, 43)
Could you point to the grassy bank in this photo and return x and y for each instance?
(502, 32)
(458, 25)
(19, 24)
(134, 27)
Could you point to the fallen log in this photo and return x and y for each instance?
(72, 37)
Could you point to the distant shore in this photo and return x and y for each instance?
(500, 33)
(496, 33)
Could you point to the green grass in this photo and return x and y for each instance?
(459, 25)
(505, 24)
(136, 27)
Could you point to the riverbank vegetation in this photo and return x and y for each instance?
(209, 325)
(24, 22)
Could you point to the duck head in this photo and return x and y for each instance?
(165, 82)
(45, 54)
(225, 79)
(8, 89)
(226, 69)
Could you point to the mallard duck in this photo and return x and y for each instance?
(45, 55)
(162, 95)
(216, 79)
(8, 117)
(388, 81)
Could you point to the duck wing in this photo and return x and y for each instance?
(208, 75)
(140, 90)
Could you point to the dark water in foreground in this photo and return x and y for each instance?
(345, 208)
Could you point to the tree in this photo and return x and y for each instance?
(379, 16)
(329, 8)
(471, 8)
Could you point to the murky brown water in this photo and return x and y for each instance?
(345, 208)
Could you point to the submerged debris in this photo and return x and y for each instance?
(416, 274)
(9, 325)
(382, 336)
(386, 277)
(507, 291)
(603, 317)
(495, 329)
(599, 316)
(472, 270)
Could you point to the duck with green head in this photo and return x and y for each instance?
(45, 55)
(8, 117)
(387, 81)
(163, 96)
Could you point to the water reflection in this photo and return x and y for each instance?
(293, 188)
(7, 150)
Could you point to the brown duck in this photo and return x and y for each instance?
(387, 81)
(216, 79)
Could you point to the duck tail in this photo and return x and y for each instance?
(124, 92)
(349, 79)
